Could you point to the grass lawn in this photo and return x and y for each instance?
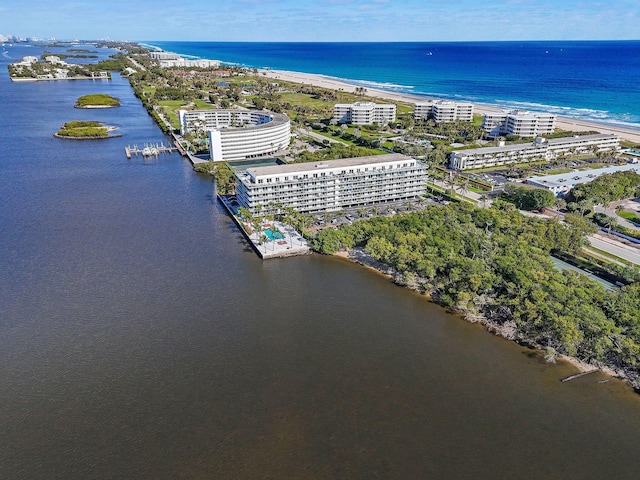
(404, 108)
(558, 171)
(170, 108)
(201, 104)
(305, 100)
(632, 217)
(328, 135)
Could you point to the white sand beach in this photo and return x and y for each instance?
(564, 123)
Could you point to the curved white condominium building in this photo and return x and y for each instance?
(239, 134)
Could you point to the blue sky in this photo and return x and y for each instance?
(323, 20)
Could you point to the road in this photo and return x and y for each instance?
(138, 65)
(626, 252)
(321, 138)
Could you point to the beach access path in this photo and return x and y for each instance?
(564, 123)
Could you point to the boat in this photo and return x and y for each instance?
(149, 151)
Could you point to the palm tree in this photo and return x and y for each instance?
(463, 186)
(609, 222)
(451, 182)
(585, 205)
(262, 240)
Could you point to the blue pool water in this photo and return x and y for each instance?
(277, 235)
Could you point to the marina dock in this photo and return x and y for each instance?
(148, 150)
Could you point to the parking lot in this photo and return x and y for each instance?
(352, 214)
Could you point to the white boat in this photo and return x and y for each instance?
(149, 151)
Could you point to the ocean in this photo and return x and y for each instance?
(589, 80)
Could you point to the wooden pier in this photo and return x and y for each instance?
(148, 150)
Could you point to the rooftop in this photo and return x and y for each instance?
(597, 136)
(578, 177)
(505, 148)
(340, 163)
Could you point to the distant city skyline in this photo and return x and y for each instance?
(328, 20)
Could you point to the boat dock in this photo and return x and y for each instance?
(149, 150)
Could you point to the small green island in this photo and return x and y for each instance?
(97, 100)
(80, 130)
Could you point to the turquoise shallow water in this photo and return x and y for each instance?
(592, 80)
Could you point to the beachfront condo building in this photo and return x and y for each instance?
(539, 150)
(331, 185)
(364, 113)
(164, 55)
(185, 63)
(171, 60)
(444, 111)
(238, 134)
(518, 122)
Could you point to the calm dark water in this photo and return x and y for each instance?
(141, 338)
(592, 80)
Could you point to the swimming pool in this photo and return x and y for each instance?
(271, 235)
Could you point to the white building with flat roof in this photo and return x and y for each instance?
(331, 185)
(185, 63)
(27, 61)
(541, 149)
(444, 111)
(519, 122)
(561, 183)
(164, 55)
(239, 134)
(364, 113)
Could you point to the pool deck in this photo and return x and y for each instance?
(292, 243)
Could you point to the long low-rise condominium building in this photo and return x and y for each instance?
(364, 113)
(186, 63)
(519, 122)
(444, 111)
(239, 134)
(540, 150)
(561, 183)
(162, 55)
(331, 185)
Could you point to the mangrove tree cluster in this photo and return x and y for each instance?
(496, 264)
